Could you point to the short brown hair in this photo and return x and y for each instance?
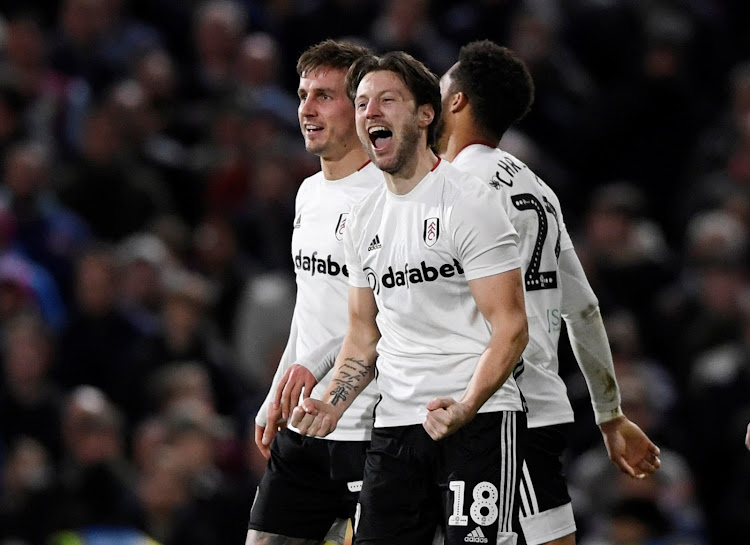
(421, 82)
(330, 54)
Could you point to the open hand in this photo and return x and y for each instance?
(630, 448)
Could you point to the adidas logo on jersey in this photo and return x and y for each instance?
(375, 244)
(476, 536)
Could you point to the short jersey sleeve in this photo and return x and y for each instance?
(484, 238)
(357, 276)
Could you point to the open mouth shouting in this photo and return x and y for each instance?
(380, 137)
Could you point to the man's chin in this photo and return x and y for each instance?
(315, 149)
(389, 168)
(383, 162)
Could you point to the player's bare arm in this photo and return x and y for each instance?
(630, 448)
(500, 300)
(354, 369)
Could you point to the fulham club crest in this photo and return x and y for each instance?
(340, 226)
(431, 231)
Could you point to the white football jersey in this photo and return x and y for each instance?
(417, 252)
(534, 210)
(321, 311)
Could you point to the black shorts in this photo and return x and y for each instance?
(308, 484)
(545, 509)
(465, 483)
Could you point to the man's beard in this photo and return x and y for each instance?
(405, 151)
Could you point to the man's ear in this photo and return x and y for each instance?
(425, 115)
(458, 102)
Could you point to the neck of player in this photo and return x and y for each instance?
(407, 177)
(464, 133)
(347, 164)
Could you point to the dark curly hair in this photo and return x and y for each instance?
(330, 54)
(497, 84)
(421, 82)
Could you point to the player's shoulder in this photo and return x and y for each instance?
(518, 168)
(364, 212)
(493, 164)
(368, 202)
(370, 199)
(458, 183)
(355, 185)
(479, 159)
(310, 182)
(505, 171)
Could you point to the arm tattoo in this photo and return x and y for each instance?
(350, 377)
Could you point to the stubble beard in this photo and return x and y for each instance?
(404, 153)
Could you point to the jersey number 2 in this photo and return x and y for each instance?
(534, 279)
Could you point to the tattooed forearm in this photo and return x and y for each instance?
(348, 379)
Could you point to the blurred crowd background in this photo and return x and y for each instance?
(149, 159)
